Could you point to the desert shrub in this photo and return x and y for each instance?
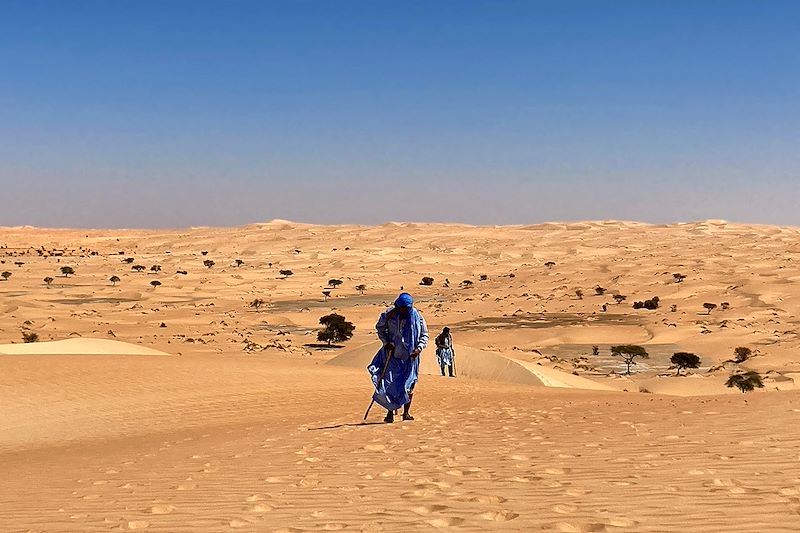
(741, 354)
(650, 304)
(684, 360)
(550, 264)
(335, 329)
(6, 275)
(326, 294)
(286, 273)
(427, 280)
(579, 294)
(725, 306)
(466, 283)
(361, 288)
(629, 354)
(113, 280)
(678, 278)
(155, 283)
(599, 291)
(48, 280)
(745, 382)
(619, 298)
(29, 336)
(208, 263)
(595, 350)
(238, 263)
(138, 268)
(710, 307)
(128, 260)
(483, 277)
(257, 304)
(155, 268)
(67, 270)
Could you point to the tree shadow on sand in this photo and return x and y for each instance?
(323, 346)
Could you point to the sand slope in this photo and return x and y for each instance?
(78, 347)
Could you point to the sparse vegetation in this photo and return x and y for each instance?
(67, 270)
(678, 278)
(619, 298)
(595, 350)
(746, 381)
(208, 263)
(483, 277)
(684, 360)
(335, 329)
(128, 260)
(629, 354)
(257, 304)
(138, 268)
(361, 288)
(741, 354)
(466, 284)
(427, 280)
(286, 273)
(155, 283)
(725, 306)
(710, 307)
(334, 283)
(326, 294)
(6, 275)
(550, 264)
(48, 280)
(155, 268)
(29, 336)
(650, 304)
(113, 280)
(579, 294)
(599, 291)
(238, 263)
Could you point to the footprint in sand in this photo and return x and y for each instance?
(499, 516)
(567, 527)
(487, 498)
(428, 509)
(563, 508)
(445, 522)
(162, 509)
(260, 508)
(138, 524)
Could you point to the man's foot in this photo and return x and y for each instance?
(389, 417)
(407, 416)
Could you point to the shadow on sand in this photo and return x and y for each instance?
(337, 426)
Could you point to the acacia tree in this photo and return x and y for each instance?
(619, 298)
(286, 273)
(257, 304)
(579, 294)
(138, 268)
(239, 263)
(113, 280)
(710, 307)
(155, 283)
(550, 264)
(684, 360)
(599, 291)
(629, 354)
(334, 283)
(427, 280)
(746, 381)
(361, 288)
(128, 260)
(6, 275)
(335, 329)
(67, 270)
(155, 268)
(208, 263)
(48, 280)
(326, 294)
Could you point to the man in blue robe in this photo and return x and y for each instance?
(404, 335)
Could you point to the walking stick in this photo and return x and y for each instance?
(383, 373)
(455, 374)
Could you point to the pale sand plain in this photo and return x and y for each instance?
(227, 418)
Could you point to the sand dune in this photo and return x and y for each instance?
(179, 407)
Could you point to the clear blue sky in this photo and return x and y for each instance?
(177, 113)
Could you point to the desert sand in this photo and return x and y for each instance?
(178, 407)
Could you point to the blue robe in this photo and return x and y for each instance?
(401, 376)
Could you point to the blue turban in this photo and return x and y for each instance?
(404, 300)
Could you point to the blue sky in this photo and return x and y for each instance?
(178, 113)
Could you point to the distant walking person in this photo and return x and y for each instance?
(444, 352)
(404, 334)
